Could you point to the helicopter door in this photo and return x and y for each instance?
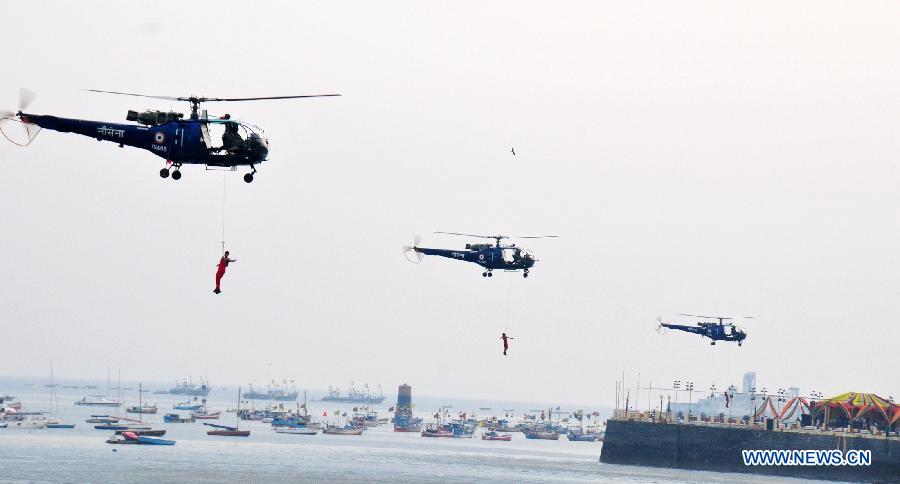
(204, 131)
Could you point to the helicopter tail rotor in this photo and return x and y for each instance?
(411, 253)
(26, 97)
(659, 326)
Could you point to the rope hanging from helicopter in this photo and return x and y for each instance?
(223, 211)
(27, 131)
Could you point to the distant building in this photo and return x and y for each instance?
(749, 382)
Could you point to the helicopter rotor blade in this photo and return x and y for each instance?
(168, 98)
(533, 236)
(229, 99)
(207, 99)
(474, 235)
(704, 317)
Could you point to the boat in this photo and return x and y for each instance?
(539, 434)
(275, 391)
(102, 419)
(585, 434)
(97, 401)
(202, 415)
(354, 395)
(297, 430)
(122, 427)
(3, 425)
(226, 431)
(493, 435)
(151, 432)
(150, 409)
(436, 431)
(175, 418)
(187, 406)
(143, 439)
(54, 423)
(346, 430)
(191, 389)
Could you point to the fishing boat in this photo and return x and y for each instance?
(585, 434)
(275, 391)
(354, 395)
(150, 409)
(133, 438)
(436, 431)
(297, 430)
(191, 389)
(175, 418)
(226, 431)
(493, 435)
(346, 430)
(540, 434)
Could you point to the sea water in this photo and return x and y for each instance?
(379, 455)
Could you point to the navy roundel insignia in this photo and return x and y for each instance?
(159, 137)
(480, 256)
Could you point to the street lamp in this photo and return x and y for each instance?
(676, 385)
(690, 388)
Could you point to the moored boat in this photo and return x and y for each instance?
(150, 409)
(343, 430)
(224, 430)
(541, 434)
(143, 439)
(97, 401)
(492, 435)
(175, 418)
(151, 432)
(297, 430)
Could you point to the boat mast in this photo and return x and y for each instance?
(238, 413)
(140, 402)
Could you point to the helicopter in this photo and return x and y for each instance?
(489, 256)
(168, 135)
(720, 331)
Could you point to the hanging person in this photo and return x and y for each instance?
(505, 342)
(223, 263)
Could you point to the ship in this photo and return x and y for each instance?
(354, 395)
(279, 392)
(192, 389)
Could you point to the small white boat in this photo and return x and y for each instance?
(296, 430)
(94, 401)
(28, 424)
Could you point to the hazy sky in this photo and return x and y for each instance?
(703, 157)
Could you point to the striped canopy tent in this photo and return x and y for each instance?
(767, 407)
(857, 404)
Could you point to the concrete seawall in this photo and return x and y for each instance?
(712, 448)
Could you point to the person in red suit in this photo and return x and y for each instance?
(223, 263)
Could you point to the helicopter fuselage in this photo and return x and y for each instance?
(713, 331)
(490, 258)
(178, 142)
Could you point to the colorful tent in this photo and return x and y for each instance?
(857, 404)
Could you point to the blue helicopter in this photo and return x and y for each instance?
(720, 331)
(489, 256)
(168, 135)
